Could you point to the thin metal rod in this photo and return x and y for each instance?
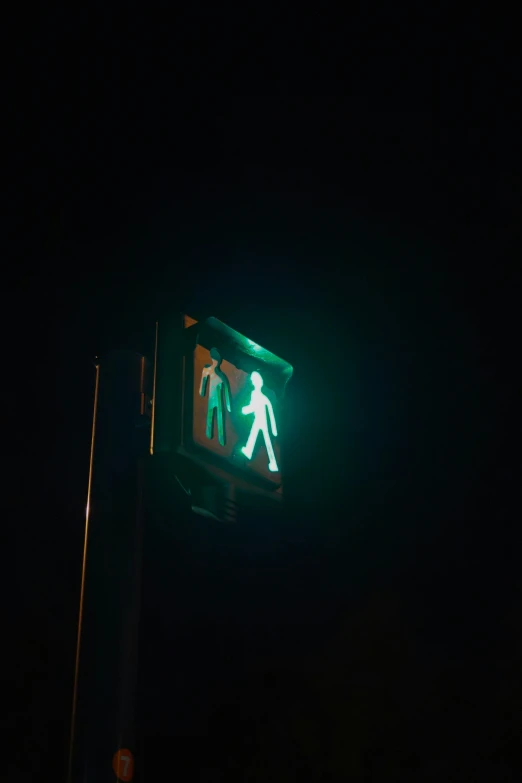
(151, 449)
(82, 588)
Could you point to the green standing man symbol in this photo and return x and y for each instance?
(218, 395)
(260, 406)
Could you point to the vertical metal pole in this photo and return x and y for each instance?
(104, 702)
(155, 369)
(82, 587)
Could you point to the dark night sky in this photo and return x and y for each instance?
(377, 253)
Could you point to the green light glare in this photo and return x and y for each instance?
(254, 346)
(259, 405)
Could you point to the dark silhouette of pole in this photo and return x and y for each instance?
(103, 720)
(82, 587)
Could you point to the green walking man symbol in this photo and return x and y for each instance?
(259, 405)
(218, 389)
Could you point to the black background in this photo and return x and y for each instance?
(377, 630)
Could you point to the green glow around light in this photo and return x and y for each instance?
(259, 405)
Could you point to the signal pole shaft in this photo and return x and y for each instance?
(103, 720)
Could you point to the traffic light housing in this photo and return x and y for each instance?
(231, 393)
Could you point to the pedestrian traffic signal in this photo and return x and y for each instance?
(232, 402)
(261, 407)
(218, 396)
